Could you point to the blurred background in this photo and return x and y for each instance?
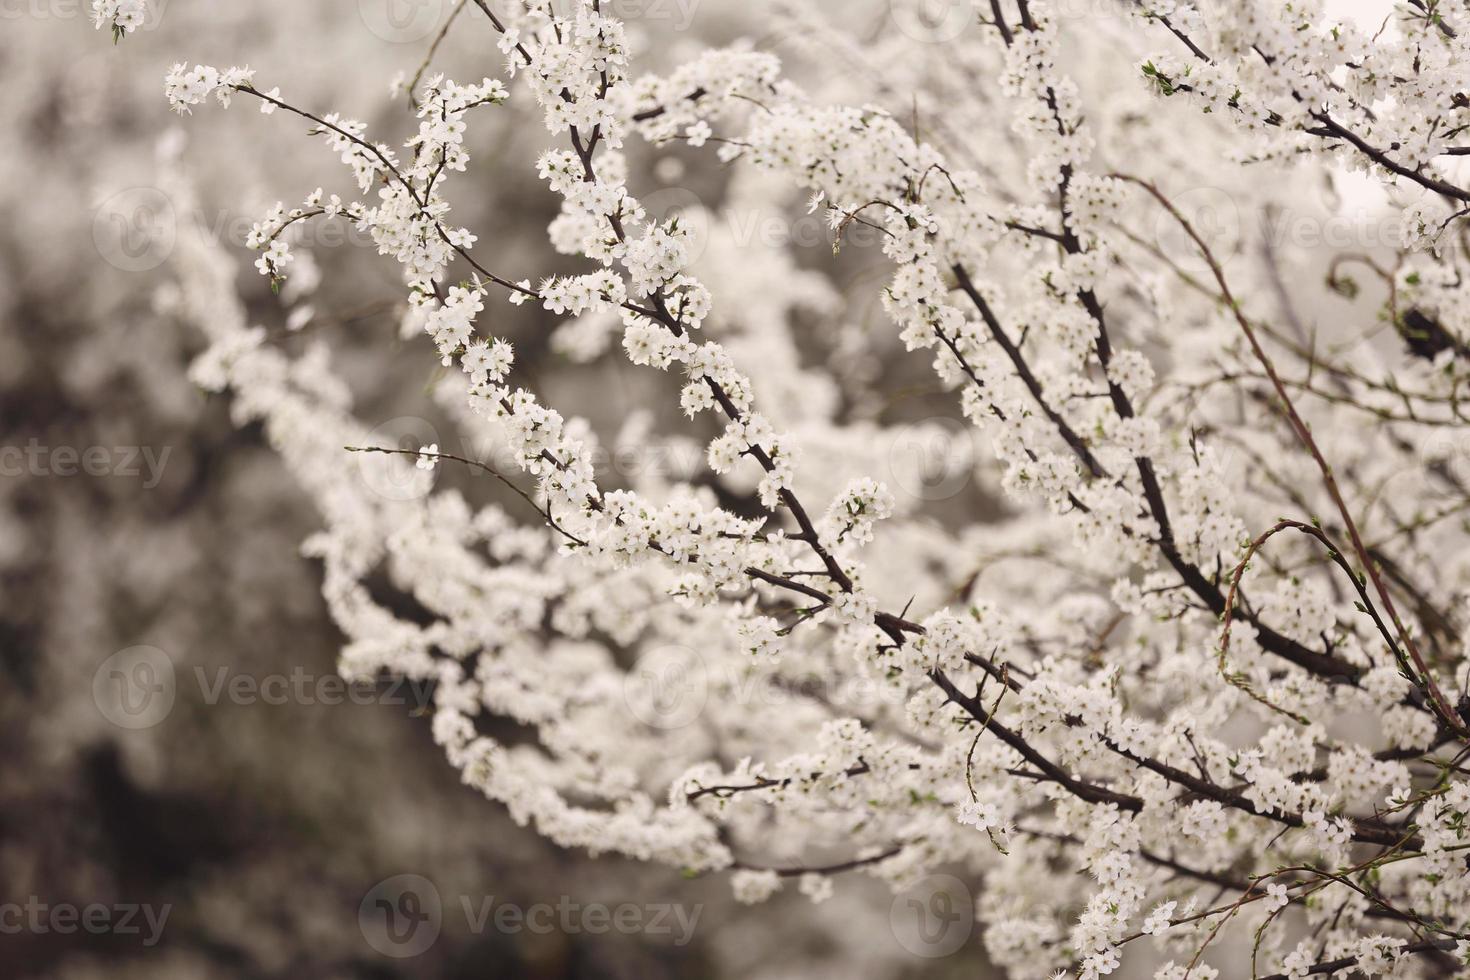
(241, 834)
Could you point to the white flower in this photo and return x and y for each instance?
(1158, 920)
(698, 133)
(753, 887)
(817, 887)
(123, 16)
(851, 608)
(977, 814)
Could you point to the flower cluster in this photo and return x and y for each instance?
(121, 16)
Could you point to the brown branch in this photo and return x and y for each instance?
(1446, 713)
